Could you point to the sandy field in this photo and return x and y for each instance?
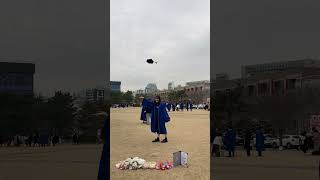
(187, 131)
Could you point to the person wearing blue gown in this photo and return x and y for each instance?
(104, 166)
(181, 106)
(159, 117)
(169, 107)
(230, 139)
(259, 141)
(143, 115)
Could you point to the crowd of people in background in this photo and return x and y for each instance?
(32, 140)
(121, 105)
(179, 106)
(227, 141)
(35, 140)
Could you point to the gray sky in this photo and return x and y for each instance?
(251, 32)
(66, 39)
(176, 33)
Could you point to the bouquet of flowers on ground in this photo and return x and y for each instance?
(164, 165)
(131, 163)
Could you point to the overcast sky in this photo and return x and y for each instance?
(65, 38)
(174, 33)
(251, 32)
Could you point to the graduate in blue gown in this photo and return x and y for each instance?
(169, 107)
(143, 115)
(159, 117)
(230, 139)
(191, 106)
(104, 166)
(259, 141)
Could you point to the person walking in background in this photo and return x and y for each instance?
(303, 142)
(247, 142)
(36, 139)
(159, 117)
(187, 106)
(259, 141)
(230, 138)
(143, 117)
(55, 139)
(1, 140)
(316, 141)
(146, 113)
(169, 107)
(217, 145)
(75, 138)
(191, 106)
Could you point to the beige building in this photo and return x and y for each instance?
(197, 91)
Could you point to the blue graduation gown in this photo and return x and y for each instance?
(143, 116)
(230, 140)
(169, 107)
(104, 166)
(259, 141)
(159, 117)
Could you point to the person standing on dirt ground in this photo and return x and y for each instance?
(217, 145)
(316, 140)
(231, 141)
(260, 141)
(159, 117)
(247, 142)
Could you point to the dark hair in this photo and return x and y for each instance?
(158, 97)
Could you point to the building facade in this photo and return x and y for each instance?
(115, 86)
(251, 70)
(17, 78)
(197, 91)
(275, 79)
(151, 88)
(91, 95)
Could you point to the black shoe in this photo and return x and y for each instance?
(156, 140)
(165, 140)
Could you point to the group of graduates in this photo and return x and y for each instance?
(179, 106)
(229, 142)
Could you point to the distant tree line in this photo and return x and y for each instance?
(122, 97)
(25, 114)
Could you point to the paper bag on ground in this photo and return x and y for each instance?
(180, 158)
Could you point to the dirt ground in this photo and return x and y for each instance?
(187, 131)
(63, 162)
(275, 165)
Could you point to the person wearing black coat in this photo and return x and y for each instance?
(247, 142)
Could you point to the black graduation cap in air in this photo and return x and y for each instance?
(151, 61)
